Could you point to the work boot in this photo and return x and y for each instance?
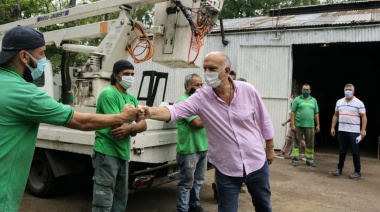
(337, 172)
(196, 208)
(294, 163)
(355, 175)
(311, 164)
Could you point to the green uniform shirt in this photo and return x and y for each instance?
(305, 110)
(190, 139)
(22, 107)
(111, 101)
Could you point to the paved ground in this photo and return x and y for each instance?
(294, 189)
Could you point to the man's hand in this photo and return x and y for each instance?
(143, 112)
(317, 129)
(270, 151)
(129, 113)
(332, 131)
(293, 127)
(122, 131)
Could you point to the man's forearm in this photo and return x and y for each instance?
(269, 143)
(89, 121)
(140, 126)
(160, 114)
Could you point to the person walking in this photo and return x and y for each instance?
(286, 150)
(349, 112)
(191, 153)
(24, 106)
(236, 120)
(305, 123)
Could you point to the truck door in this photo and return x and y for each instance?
(268, 68)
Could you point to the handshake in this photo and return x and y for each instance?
(131, 113)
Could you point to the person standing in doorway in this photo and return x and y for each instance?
(348, 113)
(112, 145)
(191, 153)
(304, 122)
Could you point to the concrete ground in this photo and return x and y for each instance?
(294, 189)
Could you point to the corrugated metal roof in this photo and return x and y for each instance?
(341, 18)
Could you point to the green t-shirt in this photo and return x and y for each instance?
(22, 107)
(111, 101)
(190, 139)
(305, 110)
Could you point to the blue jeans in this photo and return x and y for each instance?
(348, 140)
(191, 177)
(110, 192)
(258, 186)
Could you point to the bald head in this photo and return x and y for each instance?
(219, 57)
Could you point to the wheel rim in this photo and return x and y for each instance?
(38, 174)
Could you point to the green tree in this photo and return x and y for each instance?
(251, 8)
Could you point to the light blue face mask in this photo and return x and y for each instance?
(37, 72)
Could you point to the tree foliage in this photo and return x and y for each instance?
(251, 8)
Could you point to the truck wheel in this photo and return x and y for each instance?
(41, 180)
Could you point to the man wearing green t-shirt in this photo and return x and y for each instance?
(112, 145)
(191, 153)
(304, 117)
(24, 107)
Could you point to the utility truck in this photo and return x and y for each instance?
(177, 38)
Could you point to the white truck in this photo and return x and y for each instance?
(61, 151)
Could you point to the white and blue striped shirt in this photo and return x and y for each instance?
(349, 114)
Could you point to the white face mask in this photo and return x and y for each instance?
(127, 82)
(212, 79)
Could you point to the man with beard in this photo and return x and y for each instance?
(24, 106)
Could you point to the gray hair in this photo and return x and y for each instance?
(189, 79)
(349, 85)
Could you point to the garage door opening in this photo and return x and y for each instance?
(327, 68)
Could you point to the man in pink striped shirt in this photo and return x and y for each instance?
(236, 121)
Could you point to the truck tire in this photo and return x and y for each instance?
(41, 181)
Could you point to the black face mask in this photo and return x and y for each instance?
(27, 75)
(192, 90)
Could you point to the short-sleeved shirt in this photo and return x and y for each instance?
(305, 110)
(111, 101)
(349, 114)
(190, 139)
(22, 107)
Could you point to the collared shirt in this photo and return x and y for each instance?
(349, 114)
(234, 131)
